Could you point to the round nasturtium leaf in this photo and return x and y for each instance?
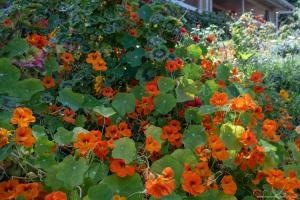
(164, 103)
(124, 103)
(230, 135)
(70, 99)
(194, 51)
(9, 74)
(194, 136)
(124, 148)
(26, 88)
(165, 84)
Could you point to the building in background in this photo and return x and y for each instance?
(269, 9)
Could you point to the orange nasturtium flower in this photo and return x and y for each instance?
(93, 57)
(97, 61)
(269, 129)
(248, 138)
(85, 142)
(56, 196)
(145, 106)
(118, 197)
(69, 115)
(120, 167)
(192, 183)
(8, 189)
(163, 185)
(152, 145)
(29, 190)
(219, 99)
(24, 137)
(4, 137)
(67, 57)
(22, 116)
(152, 88)
(228, 185)
(48, 82)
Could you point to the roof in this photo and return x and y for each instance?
(282, 3)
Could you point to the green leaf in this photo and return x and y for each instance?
(9, 75)
(96, 172)
(168, 161)
(51, 65)
(16, 47)
(295, 151)
(207, 109)
(104, 111)
(187, 89)
(130, 186)
(145, 12)
(138, 92)
(213, 86)
(80, 120)
(245, 56)
(38, 130)
(184, 156)
(134, 58)
(194, 51)
(63, 136)
(230, 135)
(245, 118)
(155, 132)
(223, 72)
(193, 114)
(51, 179)
(164, 103)
(165, 84)
(215, 194)
(192, 71)
(25, 89)
(99, 191)
(172, 196)
(5, 151)
(71, 172)
(70, 99)
(124, 148)
(194, 136)
(124, 103)
(128, 41)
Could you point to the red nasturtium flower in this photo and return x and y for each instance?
(120, 167)
(69, 116)
(256, 77)
(56, 196)
(163, 185)
(108, 92)
(24, 137)
(101, 149)
(7, 22)
(22, 117)
(37, 40)
(228, 185)
(219, 99)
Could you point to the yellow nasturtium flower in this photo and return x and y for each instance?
(284, 94)
(118, 197)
